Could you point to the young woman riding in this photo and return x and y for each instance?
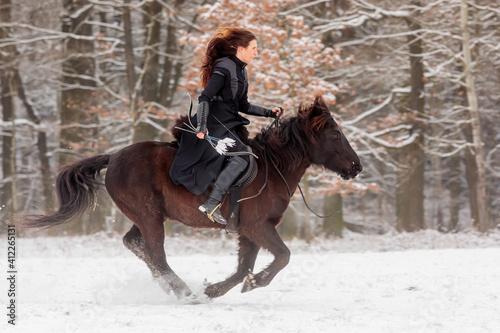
(224, 79)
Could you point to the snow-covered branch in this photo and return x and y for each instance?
(379, 107)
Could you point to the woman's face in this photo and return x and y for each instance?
(246, 54)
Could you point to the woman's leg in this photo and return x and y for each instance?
(235, 166)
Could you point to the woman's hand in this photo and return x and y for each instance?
(201, 135)
(278, 112)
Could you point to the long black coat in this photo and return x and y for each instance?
(197, 163)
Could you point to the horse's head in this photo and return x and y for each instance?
(331, 148)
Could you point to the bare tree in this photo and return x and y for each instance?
(411, 157)
(7, 81)
(482, 222)
(78, 122)
(129, 47)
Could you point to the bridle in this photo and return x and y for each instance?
(275, 123)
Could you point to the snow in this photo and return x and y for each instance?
(418, 282)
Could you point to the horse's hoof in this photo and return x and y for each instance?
(194, 299)
(250, 283)
(184, 294)
(213, 291)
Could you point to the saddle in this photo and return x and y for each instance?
(245, 179)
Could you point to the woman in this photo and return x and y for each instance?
(225, 83)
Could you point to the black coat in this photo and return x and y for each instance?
(197, 163)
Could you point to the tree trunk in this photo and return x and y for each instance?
(8, 190)
(409, 189)
(410, 186)
(288, 227)
(41, 144)
(306, 227)
(149, 78)
(481, 222)
(334, 224)
(7, 58)
(140, 131)
(471, 172)
(78, 91)
(437, 202)
(150, 81)
(129, 47)
(167, 87)
(437, 195)
(454, 186)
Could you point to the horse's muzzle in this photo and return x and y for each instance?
(352, 172)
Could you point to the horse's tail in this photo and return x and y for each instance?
(76, 188)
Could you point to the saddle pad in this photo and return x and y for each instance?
(248, 175)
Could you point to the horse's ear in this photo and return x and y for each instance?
(319, 106)
(319, 102)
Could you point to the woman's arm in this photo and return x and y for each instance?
(215, 83)
(257, 110)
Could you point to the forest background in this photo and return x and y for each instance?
(415, 86)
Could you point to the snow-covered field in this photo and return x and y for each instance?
(420, 282)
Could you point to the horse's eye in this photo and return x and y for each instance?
(336, 136)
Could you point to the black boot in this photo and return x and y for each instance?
(226, 178)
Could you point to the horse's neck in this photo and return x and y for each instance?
(293, 177)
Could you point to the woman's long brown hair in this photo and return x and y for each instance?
(225, 43)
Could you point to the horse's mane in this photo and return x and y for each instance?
(289, 143)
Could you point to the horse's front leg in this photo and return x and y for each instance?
(246, 261)
(269, 239)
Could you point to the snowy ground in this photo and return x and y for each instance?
(421, 282)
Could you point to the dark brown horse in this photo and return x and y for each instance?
(137, 179)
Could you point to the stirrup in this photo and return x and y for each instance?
(214, 215)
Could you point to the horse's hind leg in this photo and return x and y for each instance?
(134, 242)
(153, 236)
(146, 242)
(270, 240)
(246, 261)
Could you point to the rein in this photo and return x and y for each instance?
(274, 123)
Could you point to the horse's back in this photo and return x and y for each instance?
(139, 171)
(146, 148)
(142, 157)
